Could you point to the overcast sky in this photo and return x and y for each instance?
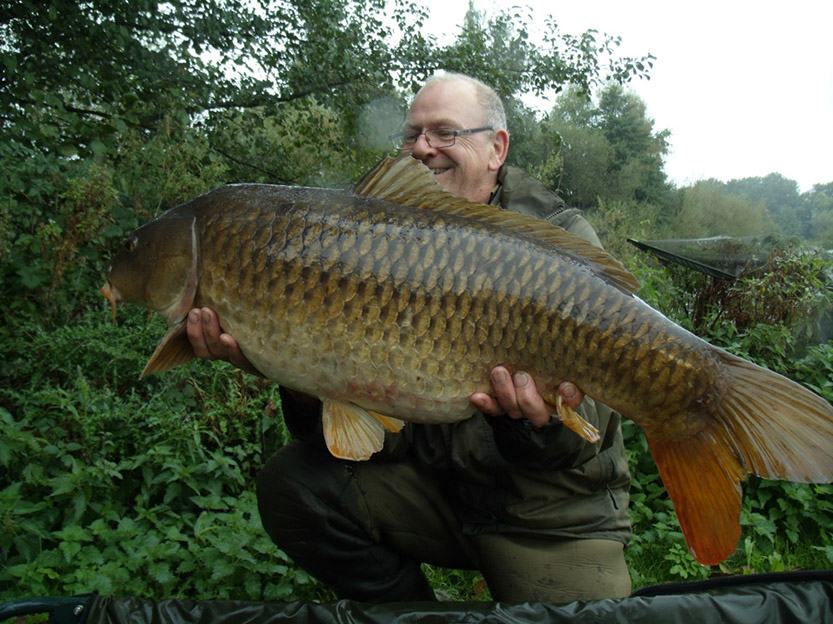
(746, 88)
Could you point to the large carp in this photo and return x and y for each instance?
(395, 300)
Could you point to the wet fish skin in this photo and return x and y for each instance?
(375, 303)
(352, 299)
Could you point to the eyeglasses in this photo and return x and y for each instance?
(436, 137)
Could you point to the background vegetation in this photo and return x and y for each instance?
(112, 111)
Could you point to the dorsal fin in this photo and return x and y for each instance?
(408, 182)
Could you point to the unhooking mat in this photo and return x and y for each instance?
(799, 597)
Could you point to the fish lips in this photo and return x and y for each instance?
(111, 294)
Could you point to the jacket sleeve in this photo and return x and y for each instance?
(552, 446)
(301, 419)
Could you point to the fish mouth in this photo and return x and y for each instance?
(112, 296)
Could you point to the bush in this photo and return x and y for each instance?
(129, 487)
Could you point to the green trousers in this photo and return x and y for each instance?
(363, 528)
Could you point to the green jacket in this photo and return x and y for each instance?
(506, 475)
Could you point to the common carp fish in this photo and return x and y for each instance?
(394, 300)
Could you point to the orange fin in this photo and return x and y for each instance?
(351, 432)
(571, 419)
(407, 182)
(174, 349)
(765, 424)
(702, 479)
(112, 297)
(394, 425)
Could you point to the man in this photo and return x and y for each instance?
(541, 512)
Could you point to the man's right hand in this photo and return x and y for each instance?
(210, 342)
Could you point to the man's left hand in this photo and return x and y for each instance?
(517, 397)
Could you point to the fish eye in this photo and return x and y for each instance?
(130, 244)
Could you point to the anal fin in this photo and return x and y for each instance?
(173, 350)
(352, 432)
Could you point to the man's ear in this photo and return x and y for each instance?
(500, 145)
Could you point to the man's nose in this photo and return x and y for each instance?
(422, 148)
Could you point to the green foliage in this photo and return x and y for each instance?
(616, 221)
(772, 313)
(502, 52)
(59, 218)
(781, 198)
(132, 487)
(450, 584)
(80, 74)
(807, 215)
(819, 203)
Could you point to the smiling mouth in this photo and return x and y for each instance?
(439, 171)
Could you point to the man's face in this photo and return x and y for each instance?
(469, 167)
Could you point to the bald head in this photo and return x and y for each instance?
(486, 98)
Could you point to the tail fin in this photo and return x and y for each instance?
(766, 425)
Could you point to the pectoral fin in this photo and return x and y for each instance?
(394, 425)
(574, 422)
(174, 349)
(354, 433)
(570, 418)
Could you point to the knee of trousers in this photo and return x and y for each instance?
(304, 493)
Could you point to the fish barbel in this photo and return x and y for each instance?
(394, 301)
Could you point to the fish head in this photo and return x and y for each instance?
(156, 267)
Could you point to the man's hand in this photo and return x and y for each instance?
(210, 342)
(517, 397)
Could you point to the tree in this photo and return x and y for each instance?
(610, 150)
(780, 196)
(709, 209)
(79, 73)
(819, 203)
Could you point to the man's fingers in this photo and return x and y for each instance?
(233, 353)
(517, 397)
(505, 392)
(207, 337)
(486, 404)
(530, 403)
(196, 335)
(211, 331)
(570, 393)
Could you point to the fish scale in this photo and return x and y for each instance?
(397, 304)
